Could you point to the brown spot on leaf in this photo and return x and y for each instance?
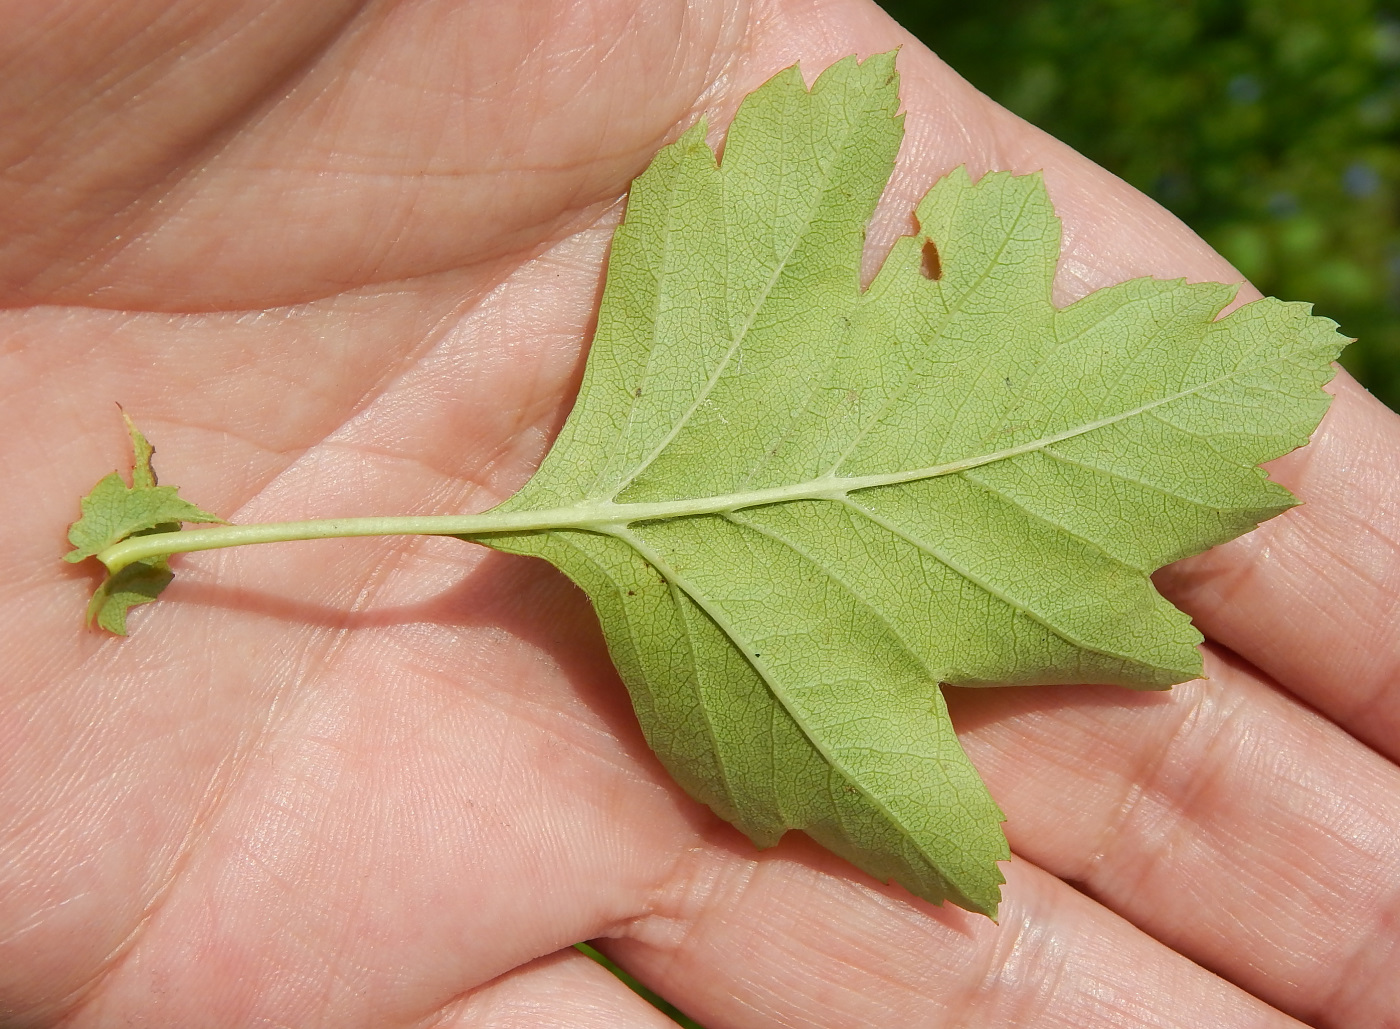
(931, 266)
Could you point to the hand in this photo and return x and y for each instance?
(343, 260)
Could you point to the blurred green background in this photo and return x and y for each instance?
(1271, 127)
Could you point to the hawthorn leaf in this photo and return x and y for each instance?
(113, 511)
(815, 504)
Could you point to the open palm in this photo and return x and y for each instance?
(341, 259)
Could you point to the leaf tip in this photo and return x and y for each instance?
(884, 64)
(143, 473)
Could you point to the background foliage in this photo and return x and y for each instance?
(1272, 127)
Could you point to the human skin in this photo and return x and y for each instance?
(343, 260)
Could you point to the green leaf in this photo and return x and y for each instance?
(114, 511)
(845, 498)
(138, 583)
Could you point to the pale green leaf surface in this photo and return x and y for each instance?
(935, 480)
(113, 511)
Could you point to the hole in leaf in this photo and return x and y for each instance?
(931, 266)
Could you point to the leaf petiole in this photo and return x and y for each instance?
(595, 516)
(137, 548)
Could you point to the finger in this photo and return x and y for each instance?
(1112, 232)
(1313, 597)
(793, 937)
(563, 991)
(1224, 818)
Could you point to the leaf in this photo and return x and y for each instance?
(799, 507)
(138, 583)
(845, 498)
(114, 511)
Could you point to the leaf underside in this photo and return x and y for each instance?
(977, 485)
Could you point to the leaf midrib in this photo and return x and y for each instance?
(599, 515)
(609, 516)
